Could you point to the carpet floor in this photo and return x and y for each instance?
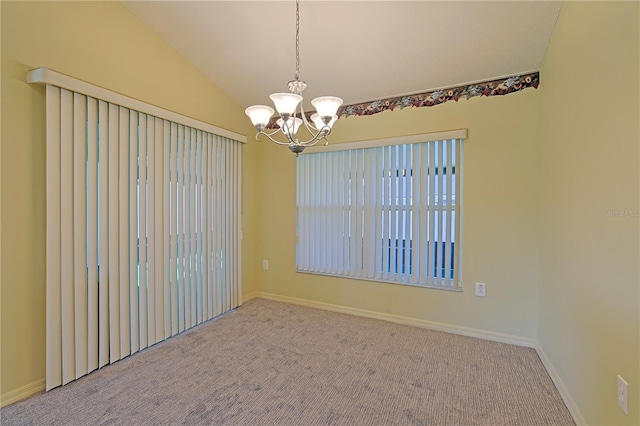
(271, 363)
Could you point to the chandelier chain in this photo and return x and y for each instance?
(288, 103)
(297, 75)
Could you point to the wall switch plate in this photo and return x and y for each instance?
(623, 395)
(481, 290)
(265, 265)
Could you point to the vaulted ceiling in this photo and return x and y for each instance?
(357, 50)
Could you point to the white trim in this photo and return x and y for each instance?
(562, 388)
(400, 140)
(458, 289)
(415, 322)
(250, 296)
(47, 76)
(22, 392)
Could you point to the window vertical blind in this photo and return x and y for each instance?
(143, 230)
(384, 213)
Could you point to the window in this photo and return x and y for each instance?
(385, 213)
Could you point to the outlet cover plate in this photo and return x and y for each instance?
(481, 290)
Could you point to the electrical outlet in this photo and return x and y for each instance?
(623, 395)
(481, 290)
(265, 265)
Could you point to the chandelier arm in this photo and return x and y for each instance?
(310, 127)
(268, 135)
(313, 129)
(320, 134)
(288, 130)
(314, 140)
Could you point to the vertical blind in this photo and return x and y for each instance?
(143, 231)
(386, 213)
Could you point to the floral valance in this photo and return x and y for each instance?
(502, 86)
(497, 87)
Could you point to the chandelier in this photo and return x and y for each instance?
(287, 103)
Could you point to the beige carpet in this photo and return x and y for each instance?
(270, 363)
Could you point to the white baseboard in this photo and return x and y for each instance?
(247, 297)
(22, 392)
(39, 385)
(562, 388)
(448, 328)
(431, 325)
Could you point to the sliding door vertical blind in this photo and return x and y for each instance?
(143, 231)
(385, 213)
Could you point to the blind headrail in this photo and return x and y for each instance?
(400, 140)
(47, 76)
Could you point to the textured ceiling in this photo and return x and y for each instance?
(357, 50)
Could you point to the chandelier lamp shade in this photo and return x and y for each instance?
(289, 107)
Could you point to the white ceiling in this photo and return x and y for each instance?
(357, 50)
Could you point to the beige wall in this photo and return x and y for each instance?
(499, 219)
(542, 167)
(102, 43)
(589, 290)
